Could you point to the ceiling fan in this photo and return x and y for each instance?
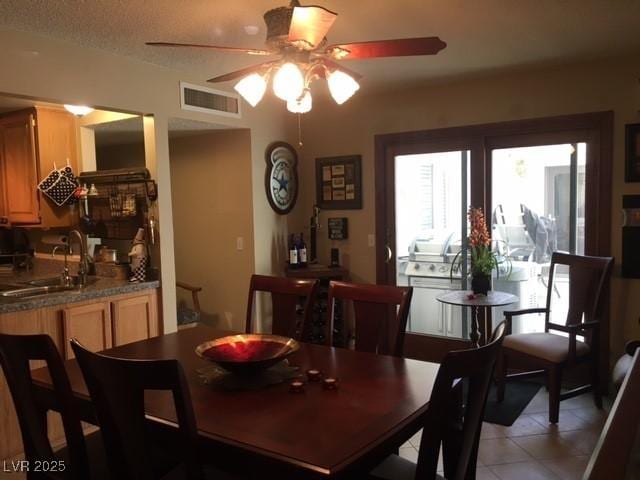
(296, 34)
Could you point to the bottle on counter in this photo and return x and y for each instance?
(293, 253)
(302, 251)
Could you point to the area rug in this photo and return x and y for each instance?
(517, 396)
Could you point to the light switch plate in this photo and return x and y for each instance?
(240, 243)
(371, 240)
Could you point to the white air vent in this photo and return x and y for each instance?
(208, 100)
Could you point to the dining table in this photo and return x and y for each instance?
(380, 403)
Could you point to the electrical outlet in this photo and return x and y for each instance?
(371, 240)
(240, 243)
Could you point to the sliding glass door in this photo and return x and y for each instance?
(538, 207)
(544, 184)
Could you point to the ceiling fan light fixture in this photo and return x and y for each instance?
(302, 104)
(78, 110)
(288, 82)
(252, 88)
(341, 86)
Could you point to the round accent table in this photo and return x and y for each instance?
(492, 299)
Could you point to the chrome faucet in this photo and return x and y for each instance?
(83, 269)
(65, 278)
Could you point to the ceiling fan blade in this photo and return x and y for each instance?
(250, 51)
(387, 48)
(331, 65)
(241, 73)
(309, 25)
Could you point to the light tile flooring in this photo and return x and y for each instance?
(532, 448)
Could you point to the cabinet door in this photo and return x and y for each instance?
(90, 324)
(134, 319)
(57, 144)
(20, 171)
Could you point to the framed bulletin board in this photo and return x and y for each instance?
(339, 182)
(632, 153)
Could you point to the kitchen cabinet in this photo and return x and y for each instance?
(20, 170)
(98, 324)
(89, 324)
(134, 319)
(32, 143)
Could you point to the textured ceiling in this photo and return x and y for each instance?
(481, 35)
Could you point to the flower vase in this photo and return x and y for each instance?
(480, 284)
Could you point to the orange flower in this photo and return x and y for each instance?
(479, 235)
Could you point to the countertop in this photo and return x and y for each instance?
(98, 287)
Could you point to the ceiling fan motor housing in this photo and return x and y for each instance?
(278, 23)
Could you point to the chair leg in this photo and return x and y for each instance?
(595, 384)
(554, 382)
(500, 376)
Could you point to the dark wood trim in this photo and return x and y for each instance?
(414, 347)
(594, 128)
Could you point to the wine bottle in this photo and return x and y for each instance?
(293, 253)
(302, 251)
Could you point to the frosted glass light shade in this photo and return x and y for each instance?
(252, 88)
(78, 110)
(288, 82)
(302, 105)
(341, 86)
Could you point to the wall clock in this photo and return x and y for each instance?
(281, 177)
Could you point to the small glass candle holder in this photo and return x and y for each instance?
(314, 375)
(296, 386)
(330, 383)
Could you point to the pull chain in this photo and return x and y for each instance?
(299, 130)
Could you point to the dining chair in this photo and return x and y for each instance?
(134, 452)
(381, 313)
(445, 423)
(614, 455)
(588, 279)
(286, 295)
(82, 456)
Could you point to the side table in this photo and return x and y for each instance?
(465, 298)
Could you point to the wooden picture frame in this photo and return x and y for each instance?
(632, 153)
(339, 182)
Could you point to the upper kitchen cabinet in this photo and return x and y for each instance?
(19, 169)
(33, 141)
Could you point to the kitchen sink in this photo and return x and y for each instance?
(45, 282)
(35, 291)
(56, 281)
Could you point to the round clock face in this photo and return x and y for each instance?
(281, 178)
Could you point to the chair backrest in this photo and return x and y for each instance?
(117, 389)
(610, 458)
(15, 353)
(588, 279)
(285, 297)
(381, 313)
(475, 368)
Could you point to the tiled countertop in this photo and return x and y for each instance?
(98, 287)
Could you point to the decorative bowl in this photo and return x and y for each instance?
(247, 354)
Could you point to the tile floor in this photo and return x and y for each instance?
(533, 449)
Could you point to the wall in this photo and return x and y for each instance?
(349, 129)
(212, 208)
(61, 72)
(125, 155)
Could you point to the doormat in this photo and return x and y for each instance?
(517, 396)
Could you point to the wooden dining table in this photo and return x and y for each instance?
(379, 404)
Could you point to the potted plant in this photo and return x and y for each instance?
(483, 258)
